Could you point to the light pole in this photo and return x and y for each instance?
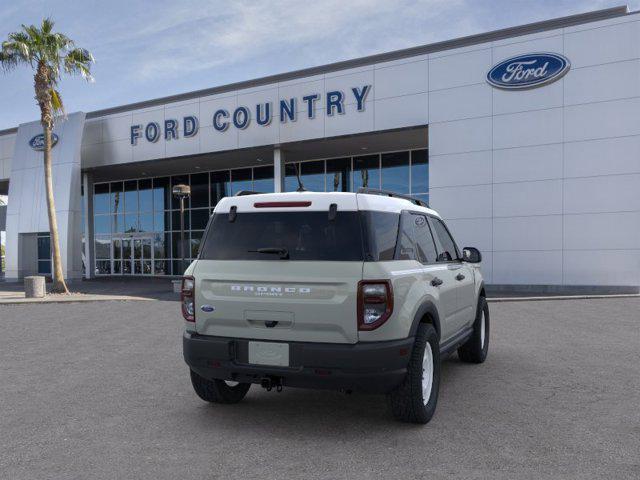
(181, 192)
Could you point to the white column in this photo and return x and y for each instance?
(278, 170)
(87, 205)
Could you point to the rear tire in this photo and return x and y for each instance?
(218, 391)
(415, 399)
(475, 350)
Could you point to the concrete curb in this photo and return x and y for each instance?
(73, 299)
(560, 297)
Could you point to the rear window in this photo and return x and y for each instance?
(351, 236)
(302, 235)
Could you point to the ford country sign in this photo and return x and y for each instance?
(37, 142)
(528, 71)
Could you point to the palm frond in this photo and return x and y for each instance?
(50, 53)
(56, 101)
(47, 25)
(78, 61)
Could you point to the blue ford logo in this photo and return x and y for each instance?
(528, 71)
(207, 308)
(37, 142)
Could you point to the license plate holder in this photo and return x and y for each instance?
(269, 353)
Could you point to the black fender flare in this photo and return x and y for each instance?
(427, 308)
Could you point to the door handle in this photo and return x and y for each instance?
(436, 282)
(459, 277)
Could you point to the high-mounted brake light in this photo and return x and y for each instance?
(187, 298)
(281, 204)
(375, 303)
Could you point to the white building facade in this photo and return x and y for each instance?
(526, 140)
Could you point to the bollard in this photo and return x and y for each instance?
(34, 287)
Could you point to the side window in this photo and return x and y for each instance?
(415, 241)
(381, 233)
(406, 239)
(424, 241)
(447, 251)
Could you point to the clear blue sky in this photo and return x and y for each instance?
(149, 49)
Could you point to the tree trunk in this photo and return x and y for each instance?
(42, 85)
(59, 285)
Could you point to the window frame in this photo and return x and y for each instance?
(398, 243)
(439, 246)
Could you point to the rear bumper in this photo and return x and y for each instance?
(374, 367)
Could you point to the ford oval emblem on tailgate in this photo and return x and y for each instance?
(207, 308)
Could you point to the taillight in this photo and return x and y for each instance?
(187, 298)
(375, 303)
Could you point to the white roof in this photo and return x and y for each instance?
(318, 201)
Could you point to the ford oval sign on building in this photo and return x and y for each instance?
(528, 71)
(37, 142)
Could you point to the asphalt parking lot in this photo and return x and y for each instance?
(99, 390)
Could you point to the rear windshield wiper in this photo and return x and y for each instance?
(283, 252)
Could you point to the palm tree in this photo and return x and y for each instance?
(49, 54)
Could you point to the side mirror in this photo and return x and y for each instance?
(471, 255)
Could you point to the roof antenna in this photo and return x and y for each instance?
(300, 185)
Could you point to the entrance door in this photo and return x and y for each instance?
(142, 256)
(132, 255)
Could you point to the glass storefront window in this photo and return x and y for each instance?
(131, 223)
(196, 237)
(126, 248)
(312, 174)
(175, 245)
(420, 171)
(159, 242)
(263, 179)
(103, 267)
(161, 194)
(161, 221)
(220, 186)
(144, 210)
(131, 196)
(117, 223)
(103, 247)
(145, 195)
(145, 222)
(160, 267)
(290, 177)
(199, 219)
(200, 190)
(395, 172)
(179, 267)
(101, 198)
(117, 199)
(366, 172)
(241, 180)
(44, 253)
(175, 220)
(44, 246)
(102, 224)
(339, 175)
(117, 248)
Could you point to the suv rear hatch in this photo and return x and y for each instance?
(282, 267)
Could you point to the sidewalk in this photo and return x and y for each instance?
(103, 289)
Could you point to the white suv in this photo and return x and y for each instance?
(352, 291)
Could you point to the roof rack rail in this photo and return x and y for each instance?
(387, 193)
(243, 193)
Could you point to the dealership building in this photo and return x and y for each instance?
(526, 140)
